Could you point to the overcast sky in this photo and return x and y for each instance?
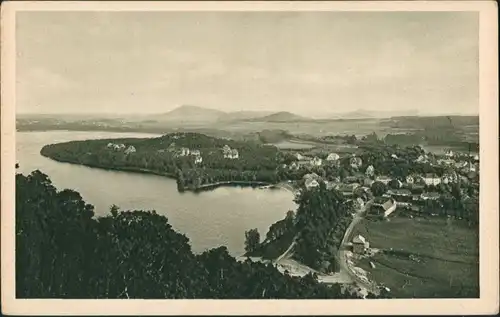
(132, 62)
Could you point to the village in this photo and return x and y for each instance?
(408, 193)
(377, 196)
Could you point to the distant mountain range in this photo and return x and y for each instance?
(201, 115)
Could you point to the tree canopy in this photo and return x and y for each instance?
(63, 251)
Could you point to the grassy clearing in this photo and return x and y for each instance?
(448, 257)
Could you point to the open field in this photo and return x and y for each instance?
(289, 145)
(430, 258)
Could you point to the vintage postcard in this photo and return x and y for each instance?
(249, 158)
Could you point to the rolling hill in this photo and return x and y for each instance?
(190, 114)
(243, 115)
(282, 116)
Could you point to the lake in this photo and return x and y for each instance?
(209, 219)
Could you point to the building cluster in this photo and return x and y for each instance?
(408, 192)
(308, 161)
(227, 152)
(196, 154)
(121, 147)
(230, 153)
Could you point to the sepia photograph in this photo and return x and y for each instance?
(344, 152)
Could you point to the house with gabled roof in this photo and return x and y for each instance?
(359, 244)
(333, 157)
(382, 206)
(316, 161)
(356, 162)
(431, 179)
(198, 159)
(195, 152)
(130, 149)
(410, 179)
(311, 183)
(370, 171)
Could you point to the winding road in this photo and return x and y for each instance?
(345, 274)
(342, 253)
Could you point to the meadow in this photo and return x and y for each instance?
(430, 257)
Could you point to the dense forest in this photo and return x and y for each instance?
(63, 251)
(322, 217)
(397, 161)
(255, 162)
(317, 228)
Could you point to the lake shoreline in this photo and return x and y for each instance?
(204, 187)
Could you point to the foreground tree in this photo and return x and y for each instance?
(378, 188)
(62, 251)
(252, 240)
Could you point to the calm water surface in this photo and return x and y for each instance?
(209, 219)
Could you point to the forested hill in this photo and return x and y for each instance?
(62, 251)
(194, 159)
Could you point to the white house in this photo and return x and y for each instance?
(316, 161)
(311, 183)
(445, 179)
(394, 156)
(198, 160)
(431, 179)
(234, 154)
(359, 203)
(356, 162)
(299, 156)
(422, 159)
(333, 157)
(410, 179)
(230, 153)
(110, 145)
(359, 244)
(226, 149)
(195, 152)
(130, 149)
(184, 151)
(370, 171)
